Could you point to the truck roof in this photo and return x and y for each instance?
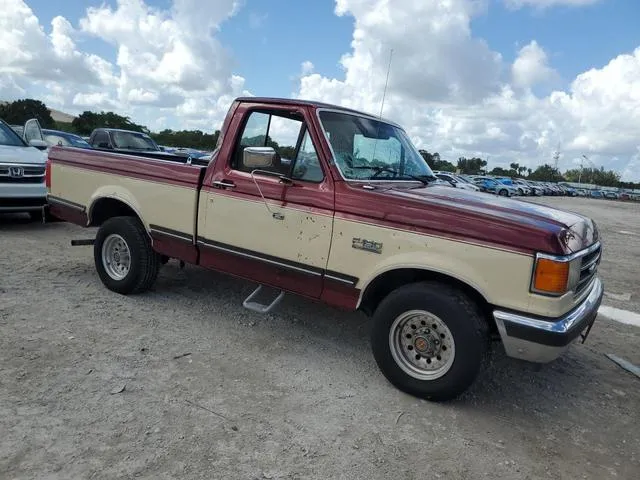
(311, 103)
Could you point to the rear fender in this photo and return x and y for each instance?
(116, 193)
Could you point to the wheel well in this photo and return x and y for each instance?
(106, 208)
(385, 283)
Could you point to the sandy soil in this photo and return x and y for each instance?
(90, 386)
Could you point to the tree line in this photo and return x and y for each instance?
(18, 112)
(542, 173)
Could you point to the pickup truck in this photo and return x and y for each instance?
(338, 206)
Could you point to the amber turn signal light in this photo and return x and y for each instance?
(551, 276)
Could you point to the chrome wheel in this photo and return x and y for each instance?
(116, 257)
(421, 345)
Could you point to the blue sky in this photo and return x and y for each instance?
(269, 40)
(512, 80)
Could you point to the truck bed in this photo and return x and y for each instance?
(79, 176)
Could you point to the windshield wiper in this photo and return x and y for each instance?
(424, 179)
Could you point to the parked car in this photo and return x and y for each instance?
(595, 194)
(456, 181)
(59, 137)
(611, 195)
(439, 269)
(22, 170)
(521, 188)
(535, 188)
(122, 140)
(491, 185)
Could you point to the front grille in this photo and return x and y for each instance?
(23, 202)
(25, 174)
(588, 269)
(4, 179)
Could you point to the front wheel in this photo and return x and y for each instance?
(123, 256)
(429, 340)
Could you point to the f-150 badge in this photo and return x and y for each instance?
(367, 245)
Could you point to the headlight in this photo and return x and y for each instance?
(555, 275)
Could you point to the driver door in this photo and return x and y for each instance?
(258, 222)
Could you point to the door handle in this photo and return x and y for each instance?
(224, 184)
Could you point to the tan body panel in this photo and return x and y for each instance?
(246, 223)
(162, 204)
(502, 277)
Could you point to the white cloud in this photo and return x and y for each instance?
(307, 67)
(450, 92)
(164, 58)
(531, 66)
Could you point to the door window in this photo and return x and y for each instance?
(295, 156)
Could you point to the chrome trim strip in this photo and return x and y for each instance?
(174, 235)
(573, 256)
(261, 259)
(338, 279)
(562, 324)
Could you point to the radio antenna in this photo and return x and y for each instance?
(384, 93)
(386, 83)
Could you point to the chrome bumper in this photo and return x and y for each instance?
(542, 340)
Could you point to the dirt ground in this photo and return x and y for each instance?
(182, 382)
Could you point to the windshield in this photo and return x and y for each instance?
(369, 149)
(133, 141)
(9, 137)
(65, 140)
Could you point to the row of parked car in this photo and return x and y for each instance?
(509, 187)
(105, 138)
(24, 150)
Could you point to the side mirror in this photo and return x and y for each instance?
(39, 144)
(258, 157)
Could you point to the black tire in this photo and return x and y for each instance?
(503, 192)
(144, 264)
(465, 323)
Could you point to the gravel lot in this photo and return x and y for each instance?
(91, 386)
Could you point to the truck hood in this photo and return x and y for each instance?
(486, 218)
(12, 154)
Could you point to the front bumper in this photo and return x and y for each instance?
(542, 340)
(22, 197)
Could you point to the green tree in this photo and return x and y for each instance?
(188, 138)
(471, 166)
(500, 172)
(18, 112)
(87, 121)
(546, 173)
(436, 163)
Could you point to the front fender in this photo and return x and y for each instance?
(435, 262)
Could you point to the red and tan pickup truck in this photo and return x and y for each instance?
(338, 206)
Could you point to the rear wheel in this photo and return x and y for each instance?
(429, 340)
(503, 192)
(123, 256)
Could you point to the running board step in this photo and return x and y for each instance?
(251, 304)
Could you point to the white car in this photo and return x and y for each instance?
(457, 182)
(22, 169)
